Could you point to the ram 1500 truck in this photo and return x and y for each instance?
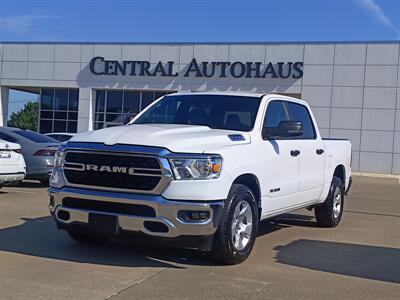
(200, 167)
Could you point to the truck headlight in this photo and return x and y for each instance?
(58, 159)
(196, 167)
(56, 178)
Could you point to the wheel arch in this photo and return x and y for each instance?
(340, 172)
(251, 181)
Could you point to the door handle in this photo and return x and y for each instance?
(294, 152)
(319, 151)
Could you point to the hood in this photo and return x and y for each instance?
(176, 138)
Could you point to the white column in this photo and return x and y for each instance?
(4, 91)
(92, 99)
(85, 109)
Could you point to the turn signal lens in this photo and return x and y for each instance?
(216, 168)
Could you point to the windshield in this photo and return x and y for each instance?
(35, 136)
(214, 111)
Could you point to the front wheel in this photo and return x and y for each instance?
(237, 230)
(329, 213)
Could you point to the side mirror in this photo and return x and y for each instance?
(285, 129)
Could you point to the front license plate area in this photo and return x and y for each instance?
(103, 224)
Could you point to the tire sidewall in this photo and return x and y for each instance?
(336, 182)
(237, 195)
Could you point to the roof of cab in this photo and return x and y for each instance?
(229, 93)
(245, 94)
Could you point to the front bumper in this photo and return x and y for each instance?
(166, 212)
(39, 173)
(11, 177)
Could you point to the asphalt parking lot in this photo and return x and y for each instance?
(292, 258)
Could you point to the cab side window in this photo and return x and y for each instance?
(300, 113)
(276, 112)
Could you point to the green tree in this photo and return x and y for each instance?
(26, 118)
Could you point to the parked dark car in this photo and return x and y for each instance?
(38, 151)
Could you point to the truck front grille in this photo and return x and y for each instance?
(109, 207)
(112, 170)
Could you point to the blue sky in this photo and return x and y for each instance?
(196, 21)
(199, 20)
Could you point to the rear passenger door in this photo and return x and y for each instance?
(312, 154)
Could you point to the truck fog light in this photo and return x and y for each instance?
(63, 215)
(193, 215)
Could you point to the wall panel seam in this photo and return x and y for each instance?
(362, 101)
(395, 111)
(331, 89)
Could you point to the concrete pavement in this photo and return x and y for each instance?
(292, 257)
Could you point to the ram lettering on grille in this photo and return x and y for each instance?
(112, 170)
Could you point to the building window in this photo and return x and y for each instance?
(114, 108)
(58, 110)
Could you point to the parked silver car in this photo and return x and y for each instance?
(38, 151)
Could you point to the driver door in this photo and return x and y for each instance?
(282, 167)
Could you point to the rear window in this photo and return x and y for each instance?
(35, 136)
(7, 138)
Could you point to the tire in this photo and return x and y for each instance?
(232, 242)
(329, 213)
(85, 237)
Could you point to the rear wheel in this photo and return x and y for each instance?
(330, 212)
(237, 230)
(86, 237)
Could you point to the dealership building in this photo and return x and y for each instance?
(353, 88)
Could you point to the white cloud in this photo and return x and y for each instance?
(22, 25)
(378, 13)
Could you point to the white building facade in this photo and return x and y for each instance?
(353, 88)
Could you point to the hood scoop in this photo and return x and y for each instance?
(236, 137)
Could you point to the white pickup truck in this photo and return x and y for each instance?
(203, 168)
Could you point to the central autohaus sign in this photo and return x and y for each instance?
(100, 66)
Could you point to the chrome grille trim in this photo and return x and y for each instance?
(165, 176)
